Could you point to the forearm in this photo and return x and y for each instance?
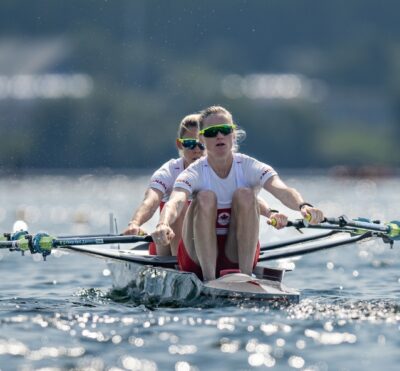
(147, 208)
(290, 197)
(163, 233)
(263, 207)
(171, 211)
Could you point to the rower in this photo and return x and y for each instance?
(190, 149)
(221, 225)
(161, 184)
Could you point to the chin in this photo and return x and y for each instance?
(222, 150)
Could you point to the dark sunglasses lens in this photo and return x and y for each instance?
(210, 133)
(213, 132)
(191, 144)
(225, 130)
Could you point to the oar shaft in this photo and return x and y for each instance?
(344, 224)
(292, 251)
(100, 240)
(88, 235)
(22, 244)
(359, 224)
(43, 243)
(295, 241)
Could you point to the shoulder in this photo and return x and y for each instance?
(192, 173)
(197, 165)
(169, 166)
(246, 160)
(241, 157)
(255, 166)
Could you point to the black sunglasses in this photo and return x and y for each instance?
(212, 131)
(191, 143)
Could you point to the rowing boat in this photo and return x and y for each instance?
(158, 280)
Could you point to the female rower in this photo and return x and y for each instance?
(221, 225)
(162, 181)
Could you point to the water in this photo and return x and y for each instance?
(61, 314)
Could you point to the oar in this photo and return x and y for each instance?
(388, 231)
(292, 251)
(295, 241)
(43, 243)
(95, 235)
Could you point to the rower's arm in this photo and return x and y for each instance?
(290, 197)
(263, 207)
(173, 208)
(146, 209)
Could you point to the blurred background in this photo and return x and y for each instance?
(103, 84)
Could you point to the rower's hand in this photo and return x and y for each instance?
(312, 214)
(277, 220)
(134, 229)
(163, 234)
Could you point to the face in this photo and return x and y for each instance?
(221, 144)
(190, 155)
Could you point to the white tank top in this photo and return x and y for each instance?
(245, 172)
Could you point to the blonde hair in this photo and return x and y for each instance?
(188, 122)
(239, 133)
(214, 110)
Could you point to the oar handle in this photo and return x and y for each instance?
(298, 223)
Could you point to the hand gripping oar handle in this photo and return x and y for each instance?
(298, 223)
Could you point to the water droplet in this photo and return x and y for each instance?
(296, 362)
(106, 272)
(330, 265)
(280, 342)
(300, 344)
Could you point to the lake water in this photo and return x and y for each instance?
(61, 314)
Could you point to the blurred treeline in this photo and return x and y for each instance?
(152, 62)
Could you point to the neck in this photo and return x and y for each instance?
(221, 165)
(185, 164)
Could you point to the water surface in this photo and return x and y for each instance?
(61, 314)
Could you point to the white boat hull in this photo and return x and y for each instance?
(239, 285)
(154, 280)
(159, 285)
